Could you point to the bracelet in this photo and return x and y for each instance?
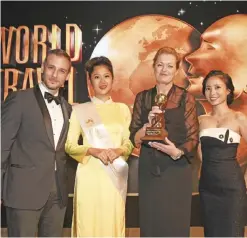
(178, 156)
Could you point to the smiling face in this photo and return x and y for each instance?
(55, 71)
(216, 91)
(101, 79)
(165, 68)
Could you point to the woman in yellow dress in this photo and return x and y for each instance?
(102, 172)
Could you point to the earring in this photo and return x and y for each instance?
(245, 89)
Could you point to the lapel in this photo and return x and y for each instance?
(65, 128)
(45, 113)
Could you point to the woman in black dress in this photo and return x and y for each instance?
(165, 182)
(222, 186)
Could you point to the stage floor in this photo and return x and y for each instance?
(131, 232)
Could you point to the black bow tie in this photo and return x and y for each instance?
(49, 97)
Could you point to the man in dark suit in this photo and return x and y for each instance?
(34, 173)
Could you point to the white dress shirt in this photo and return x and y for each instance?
(56, 115)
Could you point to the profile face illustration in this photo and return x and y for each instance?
(223, 47)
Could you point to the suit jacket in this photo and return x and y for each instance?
(28, 154)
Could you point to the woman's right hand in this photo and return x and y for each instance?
(99, 154)
(151, 114)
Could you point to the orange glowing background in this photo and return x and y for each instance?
(131, 46)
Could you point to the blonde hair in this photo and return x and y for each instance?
(169, 51)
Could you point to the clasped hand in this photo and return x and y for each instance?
(106, 155)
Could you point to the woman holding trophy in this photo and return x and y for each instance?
(164, 124)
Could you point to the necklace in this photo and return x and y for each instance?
(220, 119)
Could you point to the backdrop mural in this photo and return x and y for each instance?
(207, 35)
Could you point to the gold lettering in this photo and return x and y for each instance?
(7, 84)
(29, 81)
(39, 42)
(38, 70)
(7, 50)
(74, 42)
(22, 45)
(55, 37)
(28, 76)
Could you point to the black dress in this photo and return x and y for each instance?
(165, 185)
(222, 186)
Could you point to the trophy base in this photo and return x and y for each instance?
(159, 139)
(155, 135)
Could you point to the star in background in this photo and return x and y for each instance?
(181, 12)
(97, 29)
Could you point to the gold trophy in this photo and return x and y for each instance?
(157, 131)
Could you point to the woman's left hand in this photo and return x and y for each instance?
(168, 148)
(113, 154)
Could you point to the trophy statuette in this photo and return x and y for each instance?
(157, 131)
